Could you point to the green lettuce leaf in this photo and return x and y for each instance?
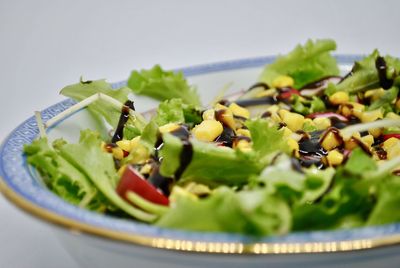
(62, 177)
(100, 109)
(292, 185)
(98, 167)
(267, 139)
(365, 76)
(305, 64)
(249, 212)
(386, 101)
(175, 111)
(163, 85)
(306, 107)
(210, 164)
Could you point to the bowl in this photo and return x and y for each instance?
(96, 240)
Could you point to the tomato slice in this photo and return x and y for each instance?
(392, 135)
(327, 115)
(133, 181)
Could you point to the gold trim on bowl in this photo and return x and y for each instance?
(195, 246)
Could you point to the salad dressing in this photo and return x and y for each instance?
(119, 131)
(381, 67)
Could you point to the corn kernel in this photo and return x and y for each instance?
(242, 145)
(243, 132)
(371, 116)
(208, 130)
(350, 144)
(330, 141)
(125, 145)
(393, 151)
(282, 81)
(339, 97)
(209, 114)
(376, 132)
(219, 106)
(287, 132)
(293, 146)
(226, 116)
(374, 94)
(322, 123)
(239, 110)
(397, 104)
(391, 142)
(139, 154)
(357, 109)
(334, 158)
(146, 169)
(273, 108)
(266, 93)
(368, 140)
(179, 191)
(117, 153)
(168, 127)
(293, 121)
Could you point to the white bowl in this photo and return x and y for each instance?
(96, 240)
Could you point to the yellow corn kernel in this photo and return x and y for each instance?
(209, 114)
(334, 158)
(179, 191)
(368, 140)
(371, 116)
(117, 153)
(207, 130)
(350, 144)
(392, 115)
(242, 145)
(219, 106)
(282, 81)
(146, 169)
(197, 189)
(393, 152)
(357, 109)
(273, 108)
(376, 132)
(266, 93)
(125, 145)
(330, 141)
(293, 146)
(374, 94)
(139, 154)
(391, 142)
(121, 170)
(168, 127)
(397, 104)
(322, 123)
(287, 132)
(275, 117)
(339, 97)
(243, 132)
(226, 116)
(239, 110)
(293, 121)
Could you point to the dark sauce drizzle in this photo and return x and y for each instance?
(122, 121)
(259, 84)
(381, 67)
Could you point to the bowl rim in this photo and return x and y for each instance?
(21, 188)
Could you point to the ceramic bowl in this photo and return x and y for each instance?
(96, 240)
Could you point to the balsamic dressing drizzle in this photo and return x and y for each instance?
(122, 121)
(381, 67)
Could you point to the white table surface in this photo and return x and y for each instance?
(45, 45)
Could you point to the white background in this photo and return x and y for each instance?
(45, 45)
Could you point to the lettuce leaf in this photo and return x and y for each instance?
(98, 167)
(305, 64)
(99, 109)
(62, 177)
(175, 111)
(163, 85)
(364, 75)
(249, 212)
(266, 138)
(210, 164)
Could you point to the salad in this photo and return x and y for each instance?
(303, 148)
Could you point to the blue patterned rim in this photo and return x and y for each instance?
(16, 175)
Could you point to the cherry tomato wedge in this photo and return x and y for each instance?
(327, 115)
(392, 135)
(133, 181)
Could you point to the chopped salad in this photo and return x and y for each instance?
(303, 148)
